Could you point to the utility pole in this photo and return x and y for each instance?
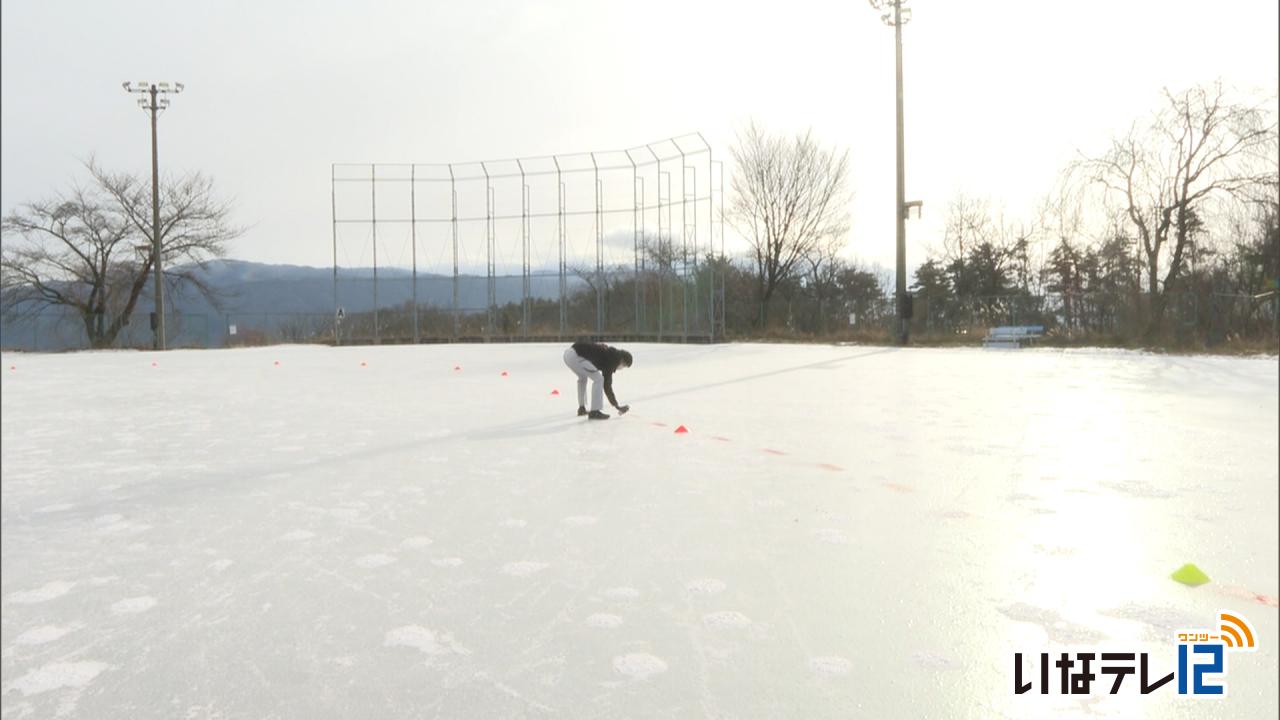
(897, 16)
(152, 102)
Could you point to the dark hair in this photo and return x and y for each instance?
(626, 357)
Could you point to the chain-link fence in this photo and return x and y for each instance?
(56, 331)
(675, 306)
(1184, 319)
(669, 307)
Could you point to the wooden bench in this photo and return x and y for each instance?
(1012, 336)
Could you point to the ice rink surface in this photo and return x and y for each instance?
(844, 532)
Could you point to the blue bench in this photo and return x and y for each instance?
(1012, 336)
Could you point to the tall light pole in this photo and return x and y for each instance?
(153, 102)
(896, 15)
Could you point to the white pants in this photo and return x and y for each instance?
(586, 371)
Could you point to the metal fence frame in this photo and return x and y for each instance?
(652, 191)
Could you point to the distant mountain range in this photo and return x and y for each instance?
(262, 291)
(247, 287)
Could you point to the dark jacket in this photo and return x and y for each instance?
(606, 359)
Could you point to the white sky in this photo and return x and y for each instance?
(999, 94)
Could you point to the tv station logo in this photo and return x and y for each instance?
(1200, 668)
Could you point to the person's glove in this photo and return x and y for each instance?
(623, 409)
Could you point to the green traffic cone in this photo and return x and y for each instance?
(1191, 575)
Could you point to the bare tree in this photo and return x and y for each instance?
(90, 250)
(788, 196)
(968, 226)
(823, 268)
(1199, 148)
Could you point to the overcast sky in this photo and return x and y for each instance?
(1000, 94)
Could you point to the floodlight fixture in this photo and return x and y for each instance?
(896, 12)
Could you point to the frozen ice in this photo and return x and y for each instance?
(844, 532)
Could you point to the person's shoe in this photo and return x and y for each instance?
(581, 411)
(597, 415)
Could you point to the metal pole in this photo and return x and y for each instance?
(684, 243)
(373, 204)
(666, 253)
(635, 240)
(642, 276)
(155, 226)
(454, 193)
(599, 221)
(901, 274)
(488, 249)
(413, 240)
(724, 310)
(524, 252)
(694, 229)
(560, 236)
(660, 248)
(711, 243)
(333, 212)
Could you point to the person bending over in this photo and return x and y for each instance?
(596, 362)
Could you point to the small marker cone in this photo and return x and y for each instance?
(504, 373)
(682, 430)
(1191, 575)
(555, 392)
(363, 364)
(155, 364)
(277, 362)
(457, 367)
(13, 367)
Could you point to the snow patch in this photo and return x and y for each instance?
(830, 665)
(133, 605)
(45, 634)
(416, 637)
(726, 619)
(376, 560)
(119, 526)
(424, 640)
(639, 666)
(705, 586)
(523, 568)
(49, 591)
(57, 675)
